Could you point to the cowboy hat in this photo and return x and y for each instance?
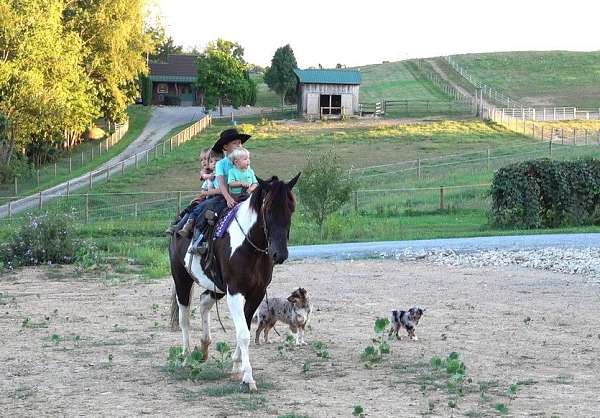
(227, 136)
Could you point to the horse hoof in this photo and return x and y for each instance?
(248, 387)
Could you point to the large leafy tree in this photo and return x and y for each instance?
(44, 90)
(223, 75)
(115, 46)
(165, 45)
(280, 75)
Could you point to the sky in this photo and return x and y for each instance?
(356, 33)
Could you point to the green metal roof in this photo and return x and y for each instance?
(173, 78)
(320, 76)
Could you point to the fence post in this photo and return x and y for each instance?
(92, 152)
(574, 136)
(441, 197)
(147, 157)
(54, 169)
(70, 163)
(355, 200)
(90, 181)
(135, 210)
(419, 168)
(81, 157)
(122, 167)
(170, 144)
(17, 183)
(550, 146)
(107, 173)
(163, 145)
(68, 187)
(136, 161)
(562, 136)
(9, 210)
(38, 177)
(178, 202)
(542, 132)
(586, 137)
(87, 208)
(40, 200)
(488, 159)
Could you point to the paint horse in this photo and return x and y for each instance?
(253, 243)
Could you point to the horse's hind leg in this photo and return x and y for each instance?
(206, 303)
(236, 308)
(183, 302)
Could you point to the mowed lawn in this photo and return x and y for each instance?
(560, 78)
(395, 81)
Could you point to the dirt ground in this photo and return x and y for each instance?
(79, 345)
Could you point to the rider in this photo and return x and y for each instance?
(229, 140)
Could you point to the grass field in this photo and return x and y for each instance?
(265, 97)
(394, 80)
(558, 78)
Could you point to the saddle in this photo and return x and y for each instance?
(216, 226)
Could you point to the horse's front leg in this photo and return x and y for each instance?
(236, 308)
(184, 324)
(206, 304)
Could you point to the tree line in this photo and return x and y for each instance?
(63, 64)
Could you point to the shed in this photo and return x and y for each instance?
(173, 82)
(327, 93)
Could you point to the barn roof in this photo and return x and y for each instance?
(182, 68)
(320, 76)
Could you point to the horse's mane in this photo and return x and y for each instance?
(279, 201)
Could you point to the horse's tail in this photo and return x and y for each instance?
(175, 308)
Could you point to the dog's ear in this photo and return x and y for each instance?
(291, 298)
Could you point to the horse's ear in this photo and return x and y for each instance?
(263, 184)
(293, 181)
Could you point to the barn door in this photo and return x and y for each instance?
(347, 104)
(312, 104)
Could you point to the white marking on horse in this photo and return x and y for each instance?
(184, 324)
(236, 308)
(246, 218)
(197, 274)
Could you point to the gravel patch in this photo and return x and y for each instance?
(583, 261)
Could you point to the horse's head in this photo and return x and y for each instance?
(277, 204)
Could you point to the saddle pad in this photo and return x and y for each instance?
(225, 221)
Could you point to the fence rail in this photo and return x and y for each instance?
(491, 93)
(551, 113)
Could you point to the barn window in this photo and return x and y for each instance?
(162, 88)
(331, 104)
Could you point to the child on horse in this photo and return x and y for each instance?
(208, 159)
(229, 140)
(241, 179)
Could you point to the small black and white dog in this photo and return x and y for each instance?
(407, 320)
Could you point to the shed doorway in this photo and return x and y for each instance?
(331, 104)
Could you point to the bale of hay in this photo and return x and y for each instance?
(95, 133)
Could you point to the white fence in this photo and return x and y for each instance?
(551, 113)
(487, 91)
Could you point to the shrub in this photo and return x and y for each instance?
(324, 186)
(42, 239)
(545, 193)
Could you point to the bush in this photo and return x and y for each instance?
(545, 194)
(324, 186)
(43, 239)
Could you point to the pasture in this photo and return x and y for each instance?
(560, 78)
(96, 344)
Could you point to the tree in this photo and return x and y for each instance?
(115, 46)
(165, 45)
(223, 76)
(44, 90)
(280, 76)
(324, 186)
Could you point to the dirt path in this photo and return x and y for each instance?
(462, 90)
(162, 121)
(111, 339)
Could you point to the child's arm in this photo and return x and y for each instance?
(225, 192)
(254, 185)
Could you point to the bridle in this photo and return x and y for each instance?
(265, 231)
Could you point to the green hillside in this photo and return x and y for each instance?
(558, 78)
(395, 81)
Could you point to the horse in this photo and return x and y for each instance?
(243, 268)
